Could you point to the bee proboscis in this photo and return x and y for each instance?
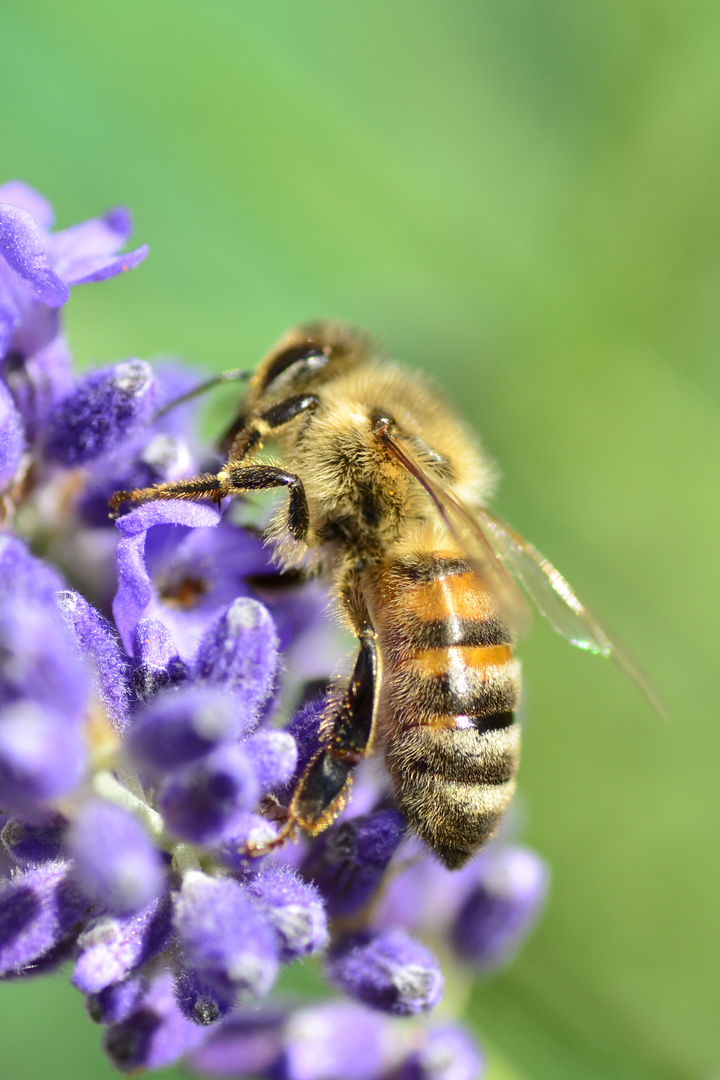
(387, 494)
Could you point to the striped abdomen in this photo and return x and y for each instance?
(449, 689)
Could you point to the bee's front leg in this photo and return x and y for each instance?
(197, 488)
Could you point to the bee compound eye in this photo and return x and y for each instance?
(308, 353)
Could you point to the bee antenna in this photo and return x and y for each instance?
(236, 375)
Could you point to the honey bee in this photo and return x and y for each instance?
(387, 493)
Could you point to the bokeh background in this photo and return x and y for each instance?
(521, 198)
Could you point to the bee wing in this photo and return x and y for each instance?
(478, 544)
(501, 556)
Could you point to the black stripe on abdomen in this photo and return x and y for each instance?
(444, 695)
(446, 633)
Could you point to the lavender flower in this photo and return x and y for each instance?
(37, 269)
(144, 752)
(389, 971)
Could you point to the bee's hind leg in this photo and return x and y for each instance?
(346, 733)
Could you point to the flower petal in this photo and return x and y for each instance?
(101, 236)
(135, 595)
(448, 1053)
(177, 728)
(32, 844)
(12, 438)
(157, 663)
(22, 244)
(97, 642)
(100, 268)
(200, 802)
(156, 1033)
(42, 756)
(239, 654)
(23, 576)
(38, 909)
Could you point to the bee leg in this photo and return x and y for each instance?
(322, 790)
(232, 480)
(320, 794)
(244, 478)
(246, 434)
(208, 486)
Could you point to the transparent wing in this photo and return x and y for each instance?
(547, 588)
(475, 542)
(501, 556)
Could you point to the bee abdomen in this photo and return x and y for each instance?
(451, 687)
(448, 654)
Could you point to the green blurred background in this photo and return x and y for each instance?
(522, 198)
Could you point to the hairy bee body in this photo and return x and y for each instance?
(387, 498)
(448, 685)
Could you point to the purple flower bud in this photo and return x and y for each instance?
(180, 726)
(499, 913)
(38, 661)
(437, 894)
(157, 662)
(348, 860)
(199, 1001)
(335, 1040)
(37, 366)
(39, 909)
(104, 408)
(293, 908)
(12, 438)
(116, 862)
(305, 730)
(239, 653)
(388, 971)
(223, 938)
(274, 757)
(246, 830)
(449, 1053)
(24, 576)
(110, 948)
(97, 641)
(249, 1043)
(118, 1001)
(200, 802)
(42, 757)
(32, 844)
(156, 1033)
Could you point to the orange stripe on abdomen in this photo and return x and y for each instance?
(430, 662)
(446, 652)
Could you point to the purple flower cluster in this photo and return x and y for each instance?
(141, 736)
